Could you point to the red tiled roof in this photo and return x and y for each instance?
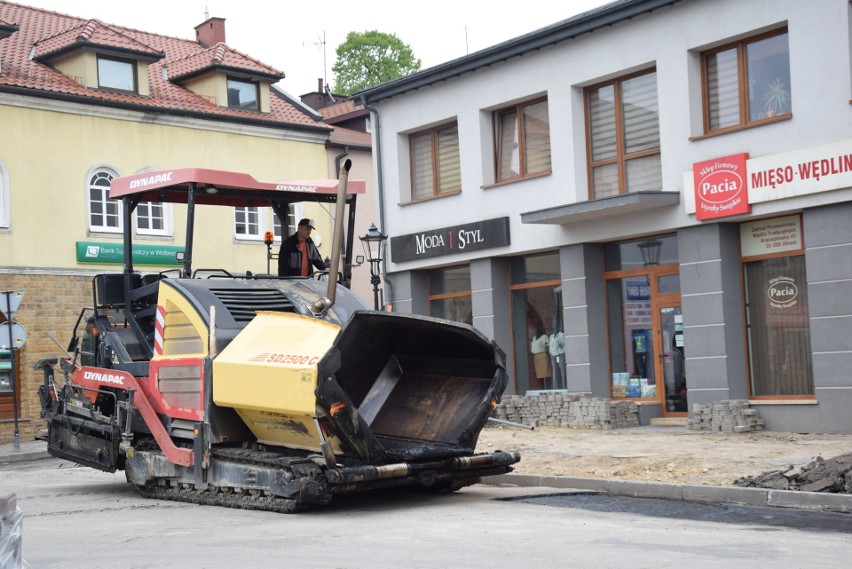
(220, 56)
(52, 33)
(91, 34)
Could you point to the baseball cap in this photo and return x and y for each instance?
(309, 222)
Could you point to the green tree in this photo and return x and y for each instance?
(370, 58)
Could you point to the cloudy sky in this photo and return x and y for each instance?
(289, 35)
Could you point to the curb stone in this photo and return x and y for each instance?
(704, 494)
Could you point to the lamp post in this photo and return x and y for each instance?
(374, 249)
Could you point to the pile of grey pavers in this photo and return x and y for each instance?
(571, 411)
(729, 416)
(11, 522)
(833, 475)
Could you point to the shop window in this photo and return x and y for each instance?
(10, 383)
(522, 140)
(624, 136)
(117, 74)
(631, 341)
(776, 296)
(243, 95)
(641, 253)
(747, 82)
(104, 214)
(5, 212)
(537, 328)
(449, 294)
(435, 163)
(644, 321)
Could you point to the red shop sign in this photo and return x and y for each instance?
(720, 187)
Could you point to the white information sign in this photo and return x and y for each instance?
(771, 236)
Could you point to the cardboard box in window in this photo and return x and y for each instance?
(648, 388)
(634, 387)
(619, 385)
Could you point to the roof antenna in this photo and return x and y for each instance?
(206, 13)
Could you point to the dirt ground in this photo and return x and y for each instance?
(659, 454)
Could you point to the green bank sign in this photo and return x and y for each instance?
(113, 254)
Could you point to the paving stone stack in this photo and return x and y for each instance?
(729, 416)
(568, 411)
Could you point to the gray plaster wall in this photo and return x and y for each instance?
(712, 307)
(583, 314)
(490, 303)
(828, 263)
(409, 291)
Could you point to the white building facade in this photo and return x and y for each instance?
(649, 201)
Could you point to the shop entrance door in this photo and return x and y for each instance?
(670, 360)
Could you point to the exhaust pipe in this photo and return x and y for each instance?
(327, 302)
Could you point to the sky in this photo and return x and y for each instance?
(300, 38)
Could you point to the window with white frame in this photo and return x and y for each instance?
(294, 212)
(153, 218)
(248, 223)
(5, 206)
(104, 213)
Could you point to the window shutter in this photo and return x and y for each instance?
(449, 164)
(422, 180)
(510, 164)
(602, 119)
(536, 138)
(641, 114)
(723, 104)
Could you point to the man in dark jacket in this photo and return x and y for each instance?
(298, 254)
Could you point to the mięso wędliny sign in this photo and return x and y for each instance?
(450, 240)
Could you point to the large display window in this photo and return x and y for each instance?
(449, 294)
(537, 329)
(645, 322)
(779, 340)
(775, 287)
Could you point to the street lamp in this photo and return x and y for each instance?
(374, 248)
(650, 249)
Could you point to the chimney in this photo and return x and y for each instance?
(210, 32)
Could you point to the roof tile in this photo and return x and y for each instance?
(53, 33)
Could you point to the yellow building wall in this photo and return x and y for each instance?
(84, 65)
(50, 154)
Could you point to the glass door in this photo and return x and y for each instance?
(670, 360)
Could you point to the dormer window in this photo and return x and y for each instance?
(117, 74)
(243, 95)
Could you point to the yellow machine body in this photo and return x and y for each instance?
(268, 375)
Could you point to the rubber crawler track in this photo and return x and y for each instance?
(241, 498)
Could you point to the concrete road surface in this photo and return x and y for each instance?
(79, 517)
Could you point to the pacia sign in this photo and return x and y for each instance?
(720, 187)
